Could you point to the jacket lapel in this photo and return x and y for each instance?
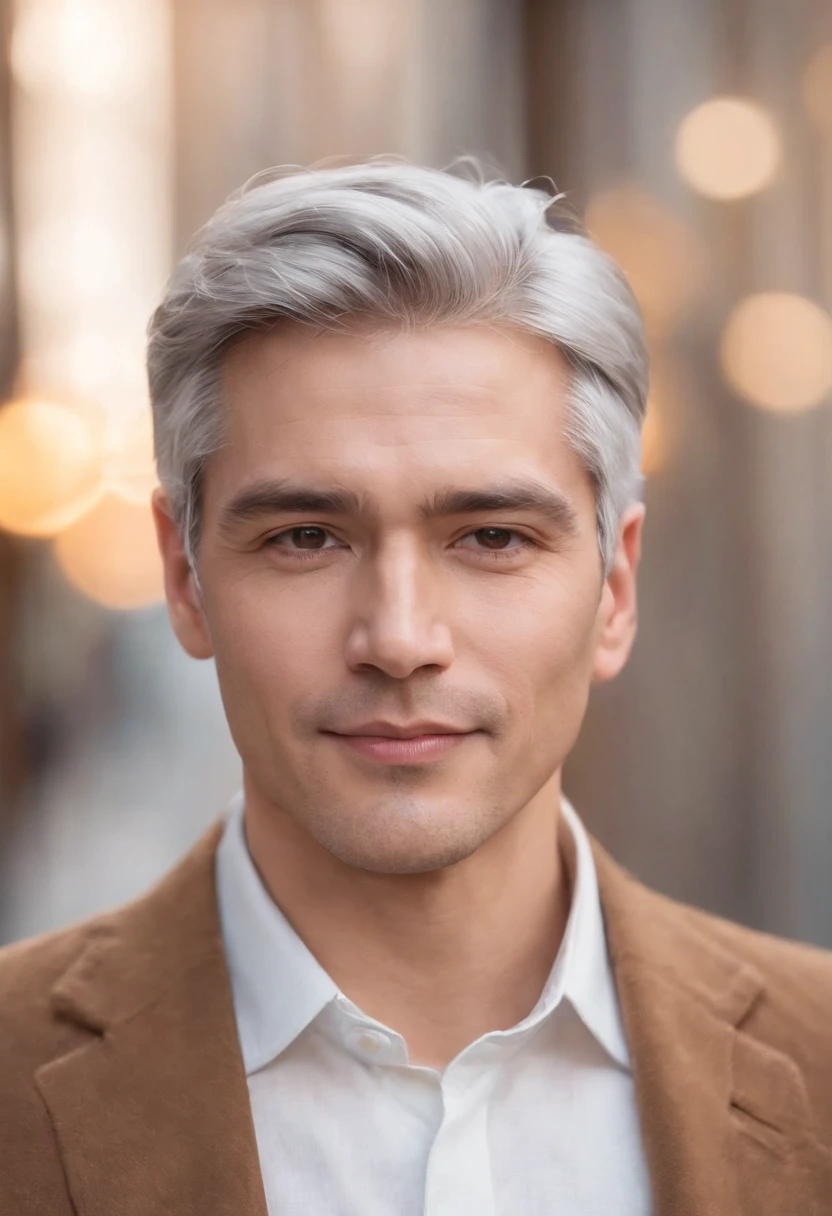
(152, 1111)
(725, 1118)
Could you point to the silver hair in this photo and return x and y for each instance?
(413, 246)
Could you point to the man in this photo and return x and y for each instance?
(397, 417)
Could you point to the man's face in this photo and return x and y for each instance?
(492, 621)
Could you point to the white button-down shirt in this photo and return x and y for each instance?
(538, 1119)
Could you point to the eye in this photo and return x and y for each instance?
(301, 534)
(497, 536)
(491, 536)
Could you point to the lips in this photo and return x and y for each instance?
(418, 749)
(379, 729)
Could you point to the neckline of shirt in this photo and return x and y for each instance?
(279, 987)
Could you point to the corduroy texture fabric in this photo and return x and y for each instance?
(123, 1092)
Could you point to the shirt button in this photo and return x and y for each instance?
(370, 1043)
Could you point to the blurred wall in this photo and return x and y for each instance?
(707, 767)
(267, 82)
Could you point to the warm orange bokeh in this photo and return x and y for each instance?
(130, 468)
(50, 467)
(817, 88)
(728, 148)
(777, 351)
(111, 555)
(663, 259)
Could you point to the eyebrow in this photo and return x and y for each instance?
(284, 497)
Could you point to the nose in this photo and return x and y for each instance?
(398, 623)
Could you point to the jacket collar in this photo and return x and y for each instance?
(154, 1102)
(725, 1118)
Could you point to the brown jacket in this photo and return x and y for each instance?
(123, 1093)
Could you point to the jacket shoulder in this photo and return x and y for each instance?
(59, 991)
(685, 939)
(29, 969)
(782, 962)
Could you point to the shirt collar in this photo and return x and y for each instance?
(588, 981)
(277, 984)
(279, 987)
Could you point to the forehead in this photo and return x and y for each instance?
(391, 407)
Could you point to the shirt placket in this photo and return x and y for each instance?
(458, 1181)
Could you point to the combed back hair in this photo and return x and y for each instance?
(407, 245)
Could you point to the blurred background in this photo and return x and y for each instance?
(695, 136)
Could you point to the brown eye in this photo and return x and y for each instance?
(495, 534)
(307, 538)
(495, 540)
(302, 535)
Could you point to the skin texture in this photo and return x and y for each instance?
(434, 893)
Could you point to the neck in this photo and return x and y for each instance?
(442, 957)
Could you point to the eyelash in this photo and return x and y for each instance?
(500, 555)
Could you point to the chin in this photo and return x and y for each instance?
(400, 853)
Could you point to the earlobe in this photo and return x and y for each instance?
(609, 655)
(184, 600)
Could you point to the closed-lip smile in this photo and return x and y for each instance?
(390, 730)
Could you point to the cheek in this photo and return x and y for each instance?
(266, 648)
(539, 649)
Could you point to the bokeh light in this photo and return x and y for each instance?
(653, 439)
(130, 467)
(817, 88)
(50, 467)
(776, 351)
(728, 148)
(67, 258)
(92, 48)
(111, 555)
(665, 392)
(663, 259)
(93, 190)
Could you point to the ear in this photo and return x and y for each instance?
(618, 611)
(185, 607)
